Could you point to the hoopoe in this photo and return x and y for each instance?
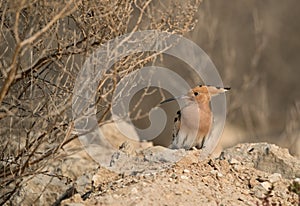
(193, 122)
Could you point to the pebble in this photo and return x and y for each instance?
(178, 193)
(253, 182)
(184, 177)
(266, 185)
(134, 190)
(275, 177)
(217, 173)
(135, 180)
(174, 176)
(116, 196)
(237, 167)
(233, 161)
(186, 171)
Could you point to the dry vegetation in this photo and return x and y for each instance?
(43, 45)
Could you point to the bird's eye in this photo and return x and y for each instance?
(196, 93)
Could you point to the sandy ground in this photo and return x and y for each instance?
(223, 181)
(246, 174)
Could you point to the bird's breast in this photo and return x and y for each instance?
(195, 118)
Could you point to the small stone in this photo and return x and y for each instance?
(174, 176)
(219, 174)
(216, 173)
(75, 198)
(186, 171)
(237, 184)
(233, 161)
(213, 172)
(253, 182)
(187, 191)
(135, 180)
(237, 167)
(115, 196)
(259, 191)
(275, 177)
(184, 177)
(134, 190)
(266, 185)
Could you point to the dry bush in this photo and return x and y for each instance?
(43, 46)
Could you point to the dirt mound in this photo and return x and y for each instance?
(247, 174)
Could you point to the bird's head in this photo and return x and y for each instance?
(199, 94)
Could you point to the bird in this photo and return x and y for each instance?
(193, 122)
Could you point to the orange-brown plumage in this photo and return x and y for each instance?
(193, 122)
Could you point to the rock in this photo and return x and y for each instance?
(216, 173)
(41, 190)
(75, 200)
(233, 161)
(184, 177)
(186, 171)
(189, 157)
(265, 157)
(253, 182)
(259, 192)
(266, 185)
(149, 160)
(275, 177)
(104, 175)
(134, 190)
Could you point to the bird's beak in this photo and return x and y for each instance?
(173, 98)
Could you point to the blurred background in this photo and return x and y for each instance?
(255, 47)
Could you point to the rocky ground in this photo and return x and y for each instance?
(247, 174)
